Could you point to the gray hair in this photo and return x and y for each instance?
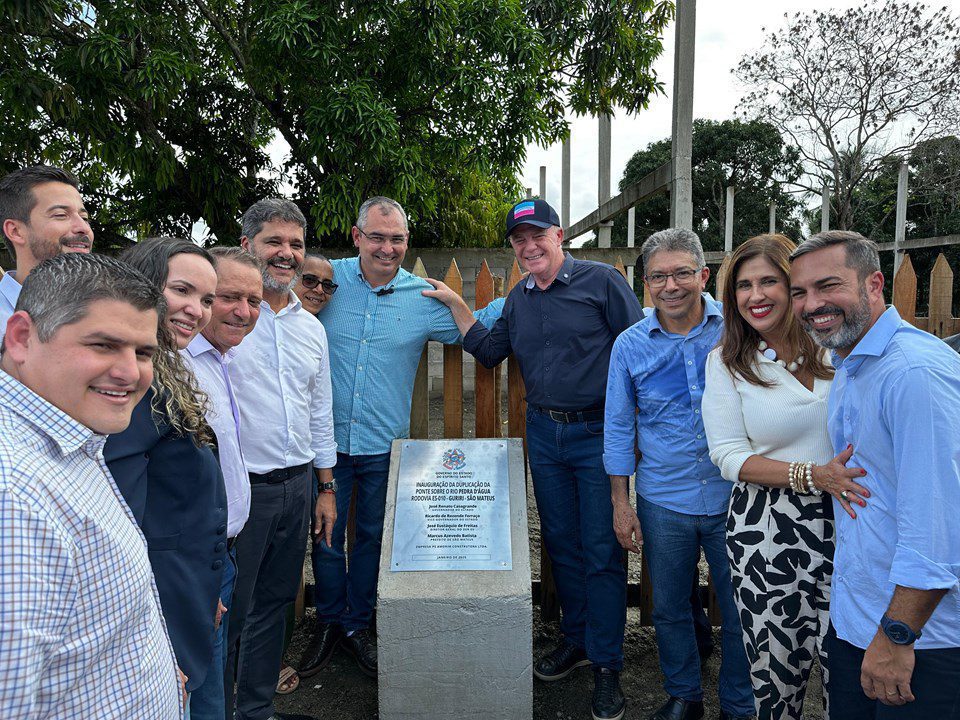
(384, 204)
(59, 291)
(862, 254)
(673, 240)
(237, 254)
(270, 210)
(317, 256)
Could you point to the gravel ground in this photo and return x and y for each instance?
(342, 692)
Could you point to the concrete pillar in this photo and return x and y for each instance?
(728, 220)
(773, 218)
(603, 178)
(565, 186)
(543, 182)
(529, 192)
(825, 208)
(681, 194)
(631, 238)
(900, 233)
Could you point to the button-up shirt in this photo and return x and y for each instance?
(281, 379)
(81, 630)
(561, 336)
(9, 294)
(212, 371)
(654, 391)
(896, 399)
(376, 337)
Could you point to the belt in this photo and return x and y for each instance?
(572, 416)
(278, 476)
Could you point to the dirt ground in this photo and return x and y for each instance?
(342, 692)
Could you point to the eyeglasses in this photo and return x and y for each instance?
(311, 281)
(381, 239)
(682, 277)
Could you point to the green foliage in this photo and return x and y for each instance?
(166, 109)
(748, 155)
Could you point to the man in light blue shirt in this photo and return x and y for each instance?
(41, 216)
(894, 641)
(654, 391)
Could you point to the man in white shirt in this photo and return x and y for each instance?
(236, 308)
(281, 377)
(81, 630)
(42, 215)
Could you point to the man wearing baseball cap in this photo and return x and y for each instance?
(561, 323)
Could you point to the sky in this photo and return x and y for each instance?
(726, 31)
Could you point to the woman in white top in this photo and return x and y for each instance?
(765, 414)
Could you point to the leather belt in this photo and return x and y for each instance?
(572, 416)
(278, 476)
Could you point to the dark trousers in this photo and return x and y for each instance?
(348, 596)
(576, 519)
(935, 685)
(270, 551)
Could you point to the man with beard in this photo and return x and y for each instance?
(281, 377)
(894, 639)
(42, 215)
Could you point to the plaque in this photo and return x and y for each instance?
(453, 506)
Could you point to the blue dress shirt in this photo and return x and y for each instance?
(896, 399)
(561, 336)
(662, 374)
(9, 294)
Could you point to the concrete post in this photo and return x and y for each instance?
(631, 238)
(825, 208)
(565, 188)
(773, 218)
(681, 194)
(543, 182)
(900, 233)
(603, 178)
(529, 193)
(728, 224)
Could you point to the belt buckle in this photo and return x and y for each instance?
(558, 416)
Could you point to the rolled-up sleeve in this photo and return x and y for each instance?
(322, 444)
(722, 409)
(619, 425)
(921, 411)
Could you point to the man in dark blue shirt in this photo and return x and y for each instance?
(561, 323)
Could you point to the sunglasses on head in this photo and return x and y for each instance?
(311, 281)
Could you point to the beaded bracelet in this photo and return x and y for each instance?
(808, 473)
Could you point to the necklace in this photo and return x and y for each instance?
(771, 354)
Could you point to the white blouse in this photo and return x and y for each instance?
(785, 422)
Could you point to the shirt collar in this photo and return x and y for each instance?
(875, 341)
(10, 288)
(293, 305)
(564, 274)
(711, 308)
(70, 435)
(200, 345)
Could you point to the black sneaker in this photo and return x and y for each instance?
(326, 637)
(561, 662)
(608, 701)
(363, 647)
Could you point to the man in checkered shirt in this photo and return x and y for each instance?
(81, 631)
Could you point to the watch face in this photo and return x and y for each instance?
(898, 633)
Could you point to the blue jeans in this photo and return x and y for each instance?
(576, 521)
(207, 701)
(671, 543)
(346, 597)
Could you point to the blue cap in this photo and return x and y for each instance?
(532, 212)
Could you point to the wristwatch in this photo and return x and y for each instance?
(328, 487)
(899, 632)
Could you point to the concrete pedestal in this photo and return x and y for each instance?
(457, 645)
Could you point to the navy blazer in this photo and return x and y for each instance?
(176, 492)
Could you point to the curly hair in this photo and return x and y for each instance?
(177, 397)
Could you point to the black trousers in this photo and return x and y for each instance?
(270, 552)
(935, 685)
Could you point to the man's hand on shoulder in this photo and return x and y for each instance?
(462, 314)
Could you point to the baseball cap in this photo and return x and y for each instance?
(532, 212)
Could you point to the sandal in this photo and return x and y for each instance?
(289, 680)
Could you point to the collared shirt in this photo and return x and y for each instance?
(281, 379)
(375, 346)
(654, 391)
(9, 294)
(896, 399)
(561, 336)
(81, 630)
(212, 371)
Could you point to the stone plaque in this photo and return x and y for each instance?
(453, 506)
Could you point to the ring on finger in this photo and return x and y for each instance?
(891, 694)
(843, 494)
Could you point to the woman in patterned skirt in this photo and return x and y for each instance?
(765, 414)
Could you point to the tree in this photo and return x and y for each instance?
(852, 88)
(166, 108)
(751, 156)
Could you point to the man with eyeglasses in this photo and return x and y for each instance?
(654, 391)
(561, 324)
(377, 328)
